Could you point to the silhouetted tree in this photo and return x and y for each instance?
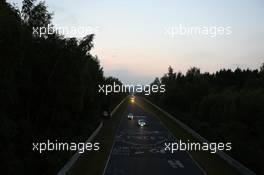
(48, 89)
(224, 106)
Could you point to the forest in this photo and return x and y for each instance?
(48, 89)
(225, 106)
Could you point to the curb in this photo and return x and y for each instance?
(234, 163)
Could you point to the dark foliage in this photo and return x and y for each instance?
(48, 90)
(224, 106)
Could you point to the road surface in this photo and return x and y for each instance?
(140, 150)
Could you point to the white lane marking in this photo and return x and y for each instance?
(155, 150)
(175, 164)
(139, 152)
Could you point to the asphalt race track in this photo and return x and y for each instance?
(140, 150)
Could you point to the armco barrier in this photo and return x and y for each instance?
(107, 161)
(241, 168)
(76, 156)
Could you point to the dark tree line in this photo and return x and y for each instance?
(223, 106)
(48, 89)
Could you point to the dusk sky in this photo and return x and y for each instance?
(132, 43)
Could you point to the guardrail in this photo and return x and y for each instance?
(76, 156)
(241, 168)
(113, 142)
(113, 111)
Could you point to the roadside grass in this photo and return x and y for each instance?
(212, 164)
(93, 163)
